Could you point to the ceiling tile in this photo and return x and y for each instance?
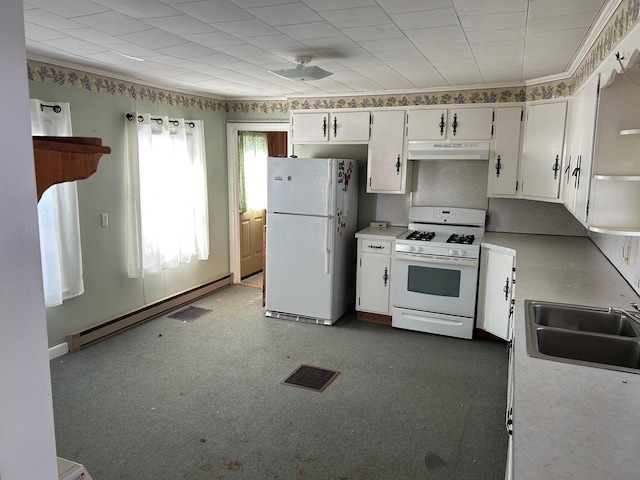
(404, 54)
(322, 5)
(114, 23)
(310, 30)
(153, 39)
(241, 51)
(573, 37)
(138, 8)
(213, 39)
(94, 36)
(405, 6)
(426, 18)
(357, 17)
(246, 28)
(430, 48)
(180, 25)
(289, 14)
(553, 8)
(259, 3)
(393, 44)
(485, 7)
(496, 36)
(496, 21)
(435, 34)
(186, 50)
(76, 46)
(551, 24)
(274, 41)
(68, 8)
(43, 18)
(375, 32)
(214, 12)
(39, 33)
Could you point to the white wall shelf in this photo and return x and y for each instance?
(627, 232)
(623, 178)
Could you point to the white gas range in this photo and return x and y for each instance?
(435, 269)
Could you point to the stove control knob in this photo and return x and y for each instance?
(412, 248)
(452, 251)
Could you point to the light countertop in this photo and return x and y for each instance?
(570, 421)
(374, 232)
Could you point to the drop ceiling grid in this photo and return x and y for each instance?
(370, 45)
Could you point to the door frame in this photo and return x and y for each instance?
(232, 175)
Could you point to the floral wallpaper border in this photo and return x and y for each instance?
(623, 19)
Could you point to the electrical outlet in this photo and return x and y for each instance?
(104, 219)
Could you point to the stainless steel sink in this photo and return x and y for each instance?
(583, 335)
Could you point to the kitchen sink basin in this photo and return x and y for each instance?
(583, 318)
(583, 335)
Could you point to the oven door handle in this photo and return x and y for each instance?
(439, 260)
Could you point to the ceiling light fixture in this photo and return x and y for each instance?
(302, 73)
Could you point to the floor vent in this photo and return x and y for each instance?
(89, 335)
(190, 313)
(311, 378)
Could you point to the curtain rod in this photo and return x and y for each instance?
(158, 120)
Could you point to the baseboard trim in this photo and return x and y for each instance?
(374, 317)
(94, 333)
(58, 350)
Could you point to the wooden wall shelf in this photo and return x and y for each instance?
(65, 159)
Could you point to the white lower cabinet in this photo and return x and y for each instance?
(374, 269)
(496, 300)
(496, 292)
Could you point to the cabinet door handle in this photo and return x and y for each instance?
(385, 277)
(455, 123)
(335, 127)
(441, 125)
(506, 289)
(377, 247)
(324, 127)
(398, 165)
(566, 170)
(556, 167)
(498, 166)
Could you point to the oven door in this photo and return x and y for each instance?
(436, 284)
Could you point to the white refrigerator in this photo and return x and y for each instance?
(312, 206)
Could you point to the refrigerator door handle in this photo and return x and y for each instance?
(328, 247)
(329, 197)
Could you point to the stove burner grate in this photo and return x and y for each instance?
(464, 239)
(419, 235)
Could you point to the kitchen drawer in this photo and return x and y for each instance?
(376, 246)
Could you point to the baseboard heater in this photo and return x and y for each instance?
(100, 331)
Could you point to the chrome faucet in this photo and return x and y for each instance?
(635, 315)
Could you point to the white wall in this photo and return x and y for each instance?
(27, 441)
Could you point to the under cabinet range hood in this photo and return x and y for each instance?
(421, 150)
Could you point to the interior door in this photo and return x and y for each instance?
(251, 242)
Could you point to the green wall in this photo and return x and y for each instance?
(108, 291)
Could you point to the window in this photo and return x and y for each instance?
(167, 220)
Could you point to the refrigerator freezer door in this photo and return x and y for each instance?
(299, 253)
(304, 186)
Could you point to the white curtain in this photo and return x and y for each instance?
(167, 220)
(58, 216)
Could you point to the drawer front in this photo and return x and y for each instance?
(376, 246)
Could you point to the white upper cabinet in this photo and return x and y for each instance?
(450, 124)
(387, 166)
(579, 152)
(504, 159)
(542, 150)
(337, 127)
